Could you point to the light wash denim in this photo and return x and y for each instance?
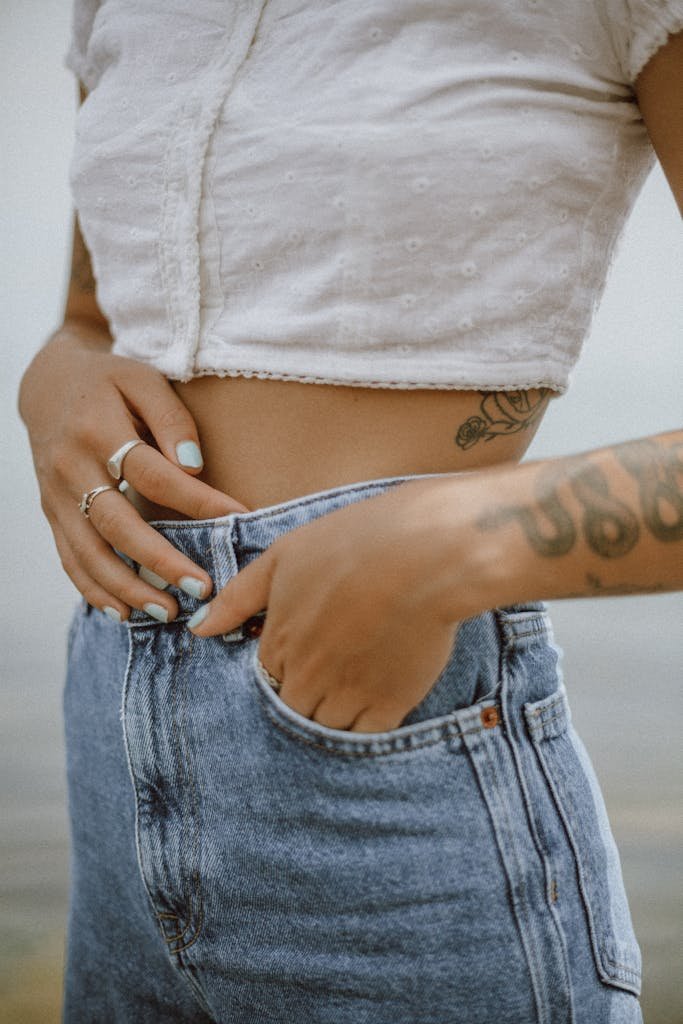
(235, 862)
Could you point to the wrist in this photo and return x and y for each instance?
(76, 333)
(84, 331)
(479, 568)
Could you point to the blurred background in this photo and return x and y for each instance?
(622, 655)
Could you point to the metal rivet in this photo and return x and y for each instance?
(490, 718)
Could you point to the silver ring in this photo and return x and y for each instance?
(115, 461)
(89, 496)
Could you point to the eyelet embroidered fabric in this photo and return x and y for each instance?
(406, 195)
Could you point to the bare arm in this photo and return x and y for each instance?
(659, 90)
(604, 522)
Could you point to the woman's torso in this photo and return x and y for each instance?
(266, 441)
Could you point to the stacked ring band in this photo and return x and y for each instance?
(115, 461)
(89, 496)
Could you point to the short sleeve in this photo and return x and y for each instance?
(638, 28)
(76, 58)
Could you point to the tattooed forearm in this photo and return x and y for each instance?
(657, 474)
(548, 525)
(608, 525)
(502, 412)
(82, 279)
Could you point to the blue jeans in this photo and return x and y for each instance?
(235, 862)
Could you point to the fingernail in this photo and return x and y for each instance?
(123, 486)
(157, 611)
(198, 616)
(151, 577)
(192, 586)
(189, 454)
(112, 613)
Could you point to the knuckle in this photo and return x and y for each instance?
(173, 416)
(204, 507)
(160, 567)
(62, 462)
(85, 427)
(108, 520)
(150, 477)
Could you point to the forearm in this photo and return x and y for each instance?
(608, 521)
(84, 324)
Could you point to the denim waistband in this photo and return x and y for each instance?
(224, 545)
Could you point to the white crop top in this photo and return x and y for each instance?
(399, 194)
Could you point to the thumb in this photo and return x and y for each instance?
(245, 595)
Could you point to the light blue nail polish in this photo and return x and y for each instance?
(152, 577)
(189, 454)
(112, 613)
(157, 611)
(192, 586)
(198, 616)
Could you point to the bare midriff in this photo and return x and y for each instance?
(268, 441)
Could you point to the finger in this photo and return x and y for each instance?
(156, 478)
(333, 710)
(116, 520)
(376, 720)
(106, 569)
(245, 595)
(96, 595)
(153, 399)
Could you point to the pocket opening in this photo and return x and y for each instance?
(405, 739)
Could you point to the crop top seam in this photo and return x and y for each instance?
(403, 384)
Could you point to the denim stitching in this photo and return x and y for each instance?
(446, 735)
(138, 842)
(489, 762)
(537, 832)
(367, 754)
(547, 707)
(539, 727)
(624, 967)
(180, 934)
(540, 631)
(449, 723)
(186, 761)
(582, 870)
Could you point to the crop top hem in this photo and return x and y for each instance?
(474, 384)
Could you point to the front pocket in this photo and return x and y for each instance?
(403, 740)
(576, 793)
